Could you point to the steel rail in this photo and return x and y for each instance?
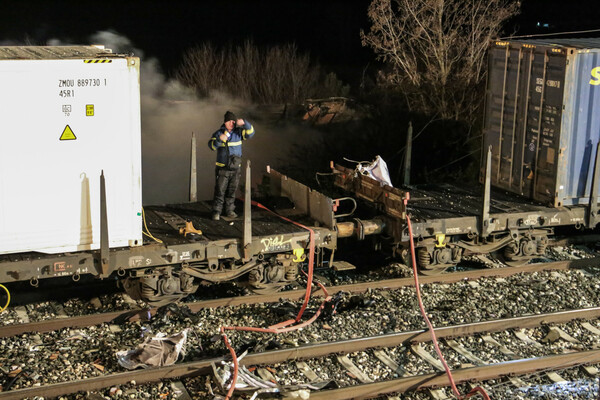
(138, 314)
(576, 239)
(323, 349)
(473, 374)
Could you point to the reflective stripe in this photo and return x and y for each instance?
(219, 164)
(235, 144)
(248, 132)
(212, 145)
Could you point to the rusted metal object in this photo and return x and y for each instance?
(307, 201)
(360, 228)
(369, 189)
(329, 110)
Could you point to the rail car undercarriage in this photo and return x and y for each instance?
(450, 222)
(436, 255)
(261, 275)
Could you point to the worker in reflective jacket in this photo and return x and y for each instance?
(227, 141)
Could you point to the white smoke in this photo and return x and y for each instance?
(170, 113)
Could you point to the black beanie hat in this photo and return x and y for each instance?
(229, 116)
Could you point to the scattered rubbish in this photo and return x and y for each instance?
(247, 381)
(157, 351)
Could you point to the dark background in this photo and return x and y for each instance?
(327, 29)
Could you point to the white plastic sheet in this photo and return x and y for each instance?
(377, 170)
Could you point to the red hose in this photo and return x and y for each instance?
(284, 326)
(430, 326)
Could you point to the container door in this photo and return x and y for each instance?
(523, 116)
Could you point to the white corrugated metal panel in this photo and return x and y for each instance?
(63, 122)
(53, 52)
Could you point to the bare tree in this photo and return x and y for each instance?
(436, 49)
(275, 75)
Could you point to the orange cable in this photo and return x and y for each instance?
(284, 326)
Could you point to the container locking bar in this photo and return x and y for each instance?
(485, 207)
(247, 238)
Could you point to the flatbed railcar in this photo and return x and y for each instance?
(449, 222)
(540, 164)
(185, 247)
(73, 206)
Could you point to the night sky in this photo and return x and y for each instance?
(328, 29)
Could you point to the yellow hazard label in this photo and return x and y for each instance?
(67, 134)
(89, 110)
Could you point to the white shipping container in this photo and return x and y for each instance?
(67, 114)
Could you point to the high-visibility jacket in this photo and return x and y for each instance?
(233, 145)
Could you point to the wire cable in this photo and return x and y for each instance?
(285, 326)
(8, 300)
(457, 160)
(146, 227)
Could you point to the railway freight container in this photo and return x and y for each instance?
(68, 114)
(542, 117)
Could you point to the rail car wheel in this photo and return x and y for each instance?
(523, 250)
(158, 288)
(268, 289)
(436, 260)
(434, 270)
(515, 261)
(273, 275)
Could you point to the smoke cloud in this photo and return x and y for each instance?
(171, 112)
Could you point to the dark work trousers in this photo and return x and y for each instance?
(226, 183)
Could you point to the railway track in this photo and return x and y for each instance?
(146, 314)
(517, 366)
(195, 368)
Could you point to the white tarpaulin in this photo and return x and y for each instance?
(377, 170)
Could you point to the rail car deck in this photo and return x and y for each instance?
(221, 239)
(164, 222)
(445, 209)
(448, 201)
(452, 210)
